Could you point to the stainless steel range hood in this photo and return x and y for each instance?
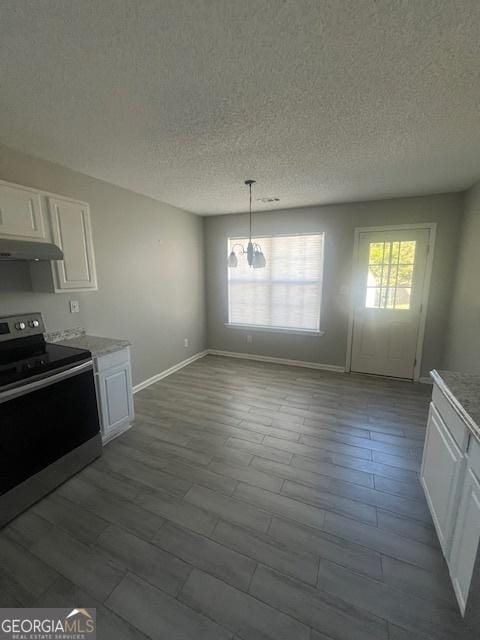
(26, 250)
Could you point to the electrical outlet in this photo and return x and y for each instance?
(249, 339)
(74, 306)
(185, 342)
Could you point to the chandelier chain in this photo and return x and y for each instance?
(254, 253)
(250, 185)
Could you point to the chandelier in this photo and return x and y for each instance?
(254, 253)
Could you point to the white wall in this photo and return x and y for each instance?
(151, 259)
(150, 267)
(463, 337)
(339, 223)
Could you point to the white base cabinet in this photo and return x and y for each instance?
(450, 477)
(467, 530)
(442, 468)
(113, 380)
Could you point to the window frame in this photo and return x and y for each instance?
(273, 328)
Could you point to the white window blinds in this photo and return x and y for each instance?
(286, 294)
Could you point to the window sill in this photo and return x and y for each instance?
(255, 327)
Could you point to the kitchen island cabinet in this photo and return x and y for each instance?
(450, 476)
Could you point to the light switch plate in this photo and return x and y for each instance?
(74, 306)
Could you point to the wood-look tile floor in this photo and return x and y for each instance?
(249, 501)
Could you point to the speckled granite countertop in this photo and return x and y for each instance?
(463, 391)
(77, 337)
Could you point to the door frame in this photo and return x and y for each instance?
(431, 227)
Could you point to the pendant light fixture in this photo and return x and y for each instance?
(254, 253)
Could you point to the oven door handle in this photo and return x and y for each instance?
(47, 381)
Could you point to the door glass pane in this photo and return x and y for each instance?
(390, 274)
(373, 297)
(376, 252)
(402, 298)
(394, 252)
(375, 276)
(407, 252)
(390, 298)
(405, 275)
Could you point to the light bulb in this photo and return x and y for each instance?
(259, 260)
(232, 260)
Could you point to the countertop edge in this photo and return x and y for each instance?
(456, 404)
(94, 344)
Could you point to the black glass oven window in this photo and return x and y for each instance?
(44, 425)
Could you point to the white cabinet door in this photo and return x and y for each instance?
(71, 231)
(466, 538)
(115, 398)
(20, 213)
(442, 466)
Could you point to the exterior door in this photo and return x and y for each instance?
(388, 301)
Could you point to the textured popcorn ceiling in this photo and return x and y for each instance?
(320, 101)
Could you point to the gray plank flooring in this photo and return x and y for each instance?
(249, 501)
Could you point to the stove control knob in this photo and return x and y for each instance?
(20, 326)
(34, 323)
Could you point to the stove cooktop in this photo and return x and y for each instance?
(40, 360)
(24, 354)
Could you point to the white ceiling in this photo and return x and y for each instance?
(321, 101)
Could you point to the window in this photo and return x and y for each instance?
(390, 274)
(286, 293)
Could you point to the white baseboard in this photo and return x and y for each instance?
(292, 363)
(167, 372)
(118, 432)
(248, 356)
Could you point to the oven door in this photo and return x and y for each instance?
(43, 420)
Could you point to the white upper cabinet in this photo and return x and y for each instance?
(29, 214)
(71, 231)
(20, 213)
